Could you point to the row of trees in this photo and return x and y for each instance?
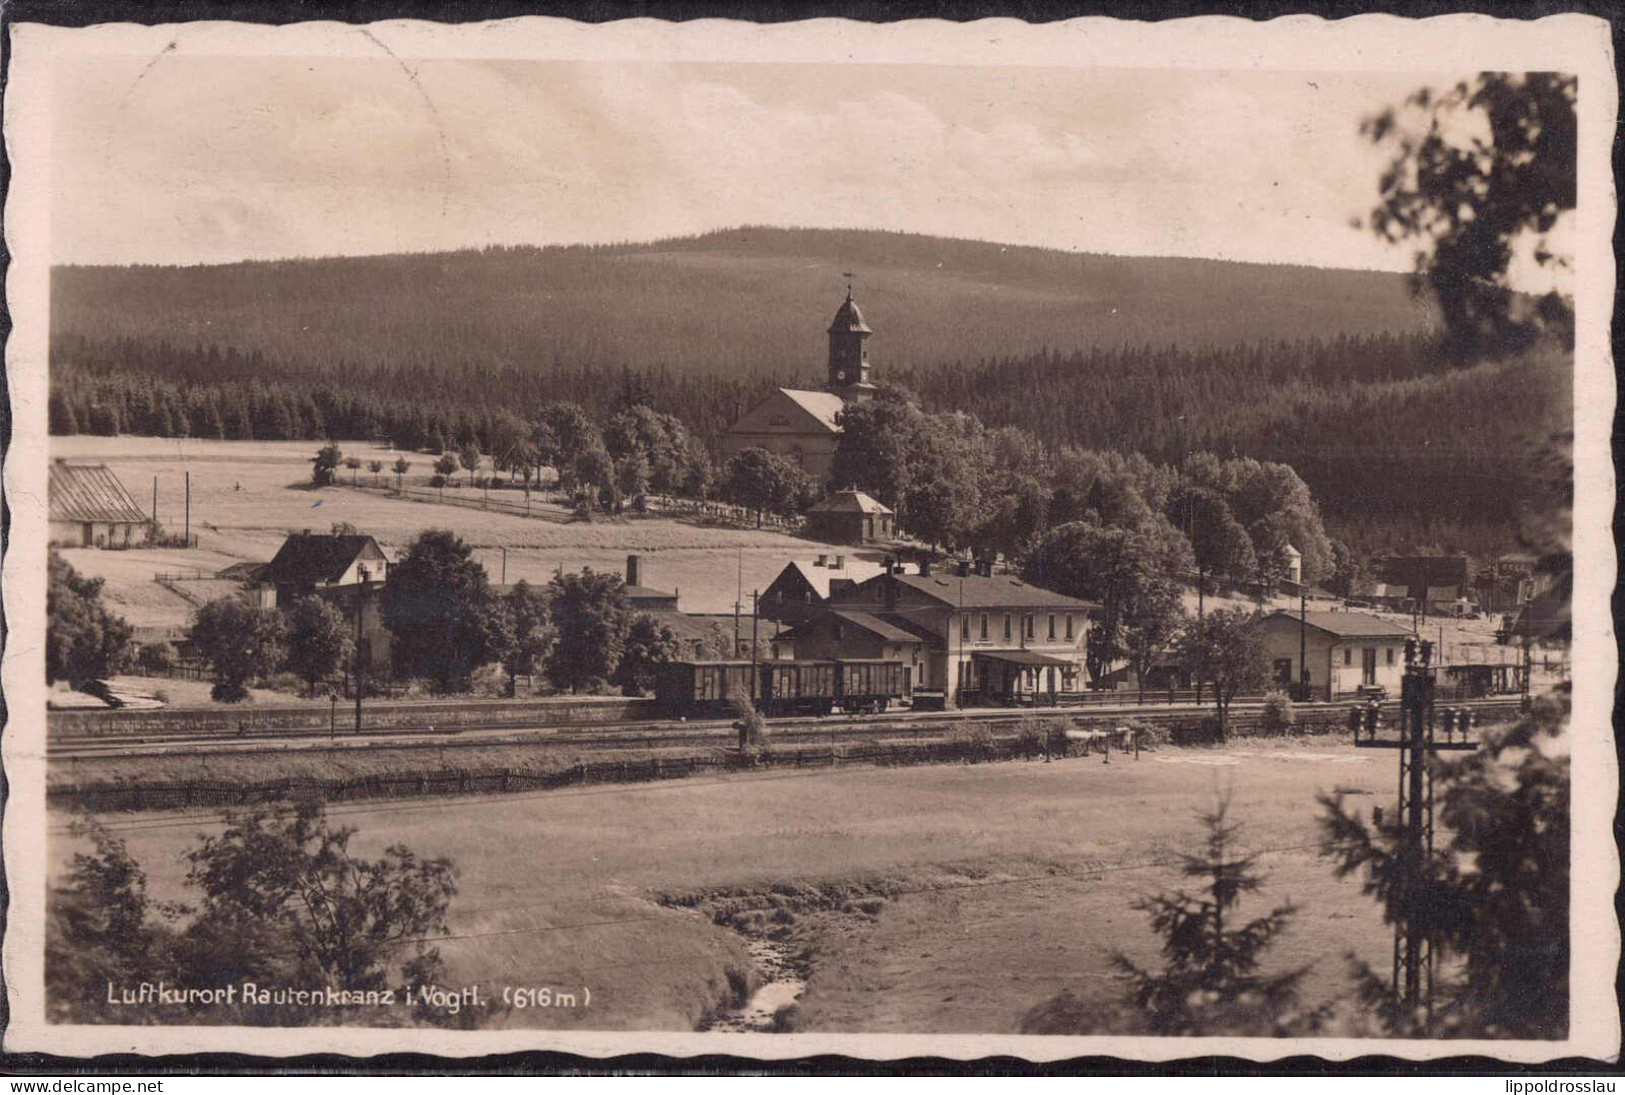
(446, 624)
(964, 486)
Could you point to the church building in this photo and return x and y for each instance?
(802, 425)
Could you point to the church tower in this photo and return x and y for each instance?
(848, 359)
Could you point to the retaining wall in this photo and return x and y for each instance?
(375, 715)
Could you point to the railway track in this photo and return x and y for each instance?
(640, 734)
(629, 735)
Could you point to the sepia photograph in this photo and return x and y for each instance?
(832, 537)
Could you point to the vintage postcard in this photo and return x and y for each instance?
(909, 539)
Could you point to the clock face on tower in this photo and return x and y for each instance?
(840, 374)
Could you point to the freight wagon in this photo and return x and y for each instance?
(869, 685)
(701, 689)
(714, 689)
(798, 688)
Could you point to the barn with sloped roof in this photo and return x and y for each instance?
(89, 507)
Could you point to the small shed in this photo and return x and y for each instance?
(850, 517)
(89, 507)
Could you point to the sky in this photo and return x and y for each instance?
(208, 159)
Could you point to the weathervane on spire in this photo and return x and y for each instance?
(847, 274)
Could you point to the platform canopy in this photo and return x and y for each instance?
(1021, 657)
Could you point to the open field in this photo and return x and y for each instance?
(1006, 883)
(247, 495)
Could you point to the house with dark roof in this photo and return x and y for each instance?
(89, 507)
(803, 586)
(309, 562)
(985, 638)
(849, 517)
(346, 570)
(1332, 654)
(804, 425)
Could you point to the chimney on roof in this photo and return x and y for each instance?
(839, 564)
(984, 567)
(821, 560)
(964, 568)
(305, 533)
(925, 568)
(633, 571)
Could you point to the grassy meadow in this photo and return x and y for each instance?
(247, 496)
(1000, 885)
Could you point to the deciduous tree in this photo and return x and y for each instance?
(1119, 569)
(319, 642)
(83, 640)
(1223, 648)
(438, 607)
(1469, 199)
(648, 643)
(240, 643)
(590, 615)
(530, 629)
(326, 464)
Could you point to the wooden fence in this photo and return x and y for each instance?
(543, 508)
(221, 794)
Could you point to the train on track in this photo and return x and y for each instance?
(777, 688)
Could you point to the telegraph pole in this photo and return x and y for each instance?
(755, 620)
(1413, 942)
(1303, 643)
(360, 670)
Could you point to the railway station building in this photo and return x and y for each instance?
(984, 638)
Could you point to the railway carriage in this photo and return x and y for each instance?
(782, 688)
(701, 689)
(869, 684)
(798, 688)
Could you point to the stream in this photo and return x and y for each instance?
(781, 985)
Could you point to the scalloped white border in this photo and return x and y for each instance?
(1569, 43)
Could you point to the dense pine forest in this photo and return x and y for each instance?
(741, 304)
(1336, 373)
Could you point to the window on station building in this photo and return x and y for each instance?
(984, 625)
(1007, 625)
(1052, 626)
(1069, 625)
(964, 627)
(1348, 656)
(1032, 627)
(1390, 655)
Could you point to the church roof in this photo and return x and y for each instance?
(823, 406)
(848, 318)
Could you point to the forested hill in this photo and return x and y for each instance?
(744, 303)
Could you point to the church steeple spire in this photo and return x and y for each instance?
(848, 358)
